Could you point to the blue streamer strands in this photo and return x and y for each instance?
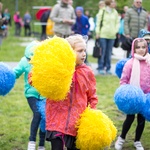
(41, 108)
(7, 79)
(129, 99)
(119, 66)
(146, 111)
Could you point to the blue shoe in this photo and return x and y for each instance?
(102, 72)
(108, 72)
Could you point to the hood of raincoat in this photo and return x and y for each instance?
(30, 48)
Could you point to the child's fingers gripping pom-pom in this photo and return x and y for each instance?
(53, 67)
(146, 109)
(129, 99)
(95, 131)
(119, 67)
(7, 79)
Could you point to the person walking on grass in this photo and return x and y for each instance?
(60, 125)
(137, 73)
(33, 97)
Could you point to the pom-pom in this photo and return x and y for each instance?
(129, 99)
(94, 126)
(119, 66)
(41, 109)
(53, 67)
(146, 109)
(7, 79)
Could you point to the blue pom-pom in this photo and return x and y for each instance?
(119, 66)
(146, 111)
(7, 79)
(41, 109)
(129, 99)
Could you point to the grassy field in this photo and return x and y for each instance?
(15, 114)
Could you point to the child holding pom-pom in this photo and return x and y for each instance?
(34, 98)
(62, 116)
(137, 73)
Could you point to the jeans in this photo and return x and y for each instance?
(35, 122)
(104, 62)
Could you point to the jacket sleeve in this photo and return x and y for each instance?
(126, 23)
(98, 20)
(126, 74)
(91, 94)
(19, 69)
(54, 14)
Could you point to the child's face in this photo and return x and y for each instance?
(140, 49)
(80, 50)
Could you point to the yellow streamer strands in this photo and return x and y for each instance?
(53, 67)
(95, 130)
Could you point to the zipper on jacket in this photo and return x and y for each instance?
(69, 110)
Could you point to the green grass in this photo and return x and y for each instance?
(15, 114)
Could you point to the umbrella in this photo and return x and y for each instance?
(40, 12)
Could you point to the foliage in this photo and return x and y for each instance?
(91, 5)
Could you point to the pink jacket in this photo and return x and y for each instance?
(62, 116)
(144, 73)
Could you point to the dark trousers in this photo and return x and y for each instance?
(27, 30)
(57, 144)
(35, 122)
(139, 129)
(17, 29)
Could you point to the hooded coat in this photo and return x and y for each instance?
(144, 72)
(24, 67)
(62, 116)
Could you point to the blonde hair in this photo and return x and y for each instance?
(74, 39)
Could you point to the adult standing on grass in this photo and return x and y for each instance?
(64, 17)
(135, 19)
(107, 26)
(33, 97)
(136, 72)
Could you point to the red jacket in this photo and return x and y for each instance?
(62, 116)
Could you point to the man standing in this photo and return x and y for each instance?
(135, 20)
(64, 17)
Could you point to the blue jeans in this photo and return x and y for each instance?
(105, 60)
(35, 122)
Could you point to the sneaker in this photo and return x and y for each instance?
(31, 145)
(102, 72)
(138, 145)
(108, 72)
(41, 148)
(119, 143)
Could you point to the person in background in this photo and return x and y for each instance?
(63, 16)
(7, 15)
(27, 21)
(3, 23)
(18, 23)
(32, 96)
(60, 125)
(135, 19)
(81, 25)
(137, 73)
(106, 36)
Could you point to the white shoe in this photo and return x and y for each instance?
(119, 143)
(138, 145)
(41, 148)
(31, 145)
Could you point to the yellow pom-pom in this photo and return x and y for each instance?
(95, 130)
(53, 67)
